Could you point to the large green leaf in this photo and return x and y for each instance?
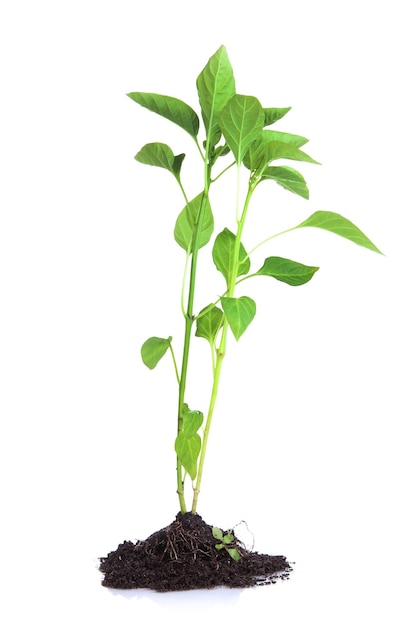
(161, 155)
(215, 86)
(272, 115)
(239, 313)
(288, 178)
(223, 254)
(287, 271)
(335, 223)
(186, 224)
(153, 350)
(188, 450)
(241, 122)
(172, 109)
(209, 322)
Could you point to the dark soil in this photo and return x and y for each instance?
(183, 556)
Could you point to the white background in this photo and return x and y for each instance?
(314, 441)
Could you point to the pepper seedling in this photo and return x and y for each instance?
(225, 542)
(235, 134)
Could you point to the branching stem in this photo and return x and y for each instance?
(221, 351)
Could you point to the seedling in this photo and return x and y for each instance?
(225, 542)
(235, 134)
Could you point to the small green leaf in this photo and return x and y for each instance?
(229, 538)
(223, 254)
(239, 313)
(335, 223)
(192, 421)
(176, 167)
(233, 553)
(215, 86)
(269, 136)
(188, 449)
(161, 155)
(241, 122)
(288, 178)
(217, 533)
(210, 322)
(272, 115)
(186, 224)
(171, 108)
(219, 546)
(153, 350)
(287, 271)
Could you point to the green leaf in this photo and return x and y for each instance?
(223, 254)
(335, 223)
(215, 86)
(153, 350)
(241, 122)
(233, 553)
(210, 322)
(276, 135)
(171, 108)
(188, 450)
(239, 313)
(270, 147)
(177, 165)
(217, 533)
(288, 178)
(272, 115)
(161, 155)
(287, 271)
(219, 546)
(192, 421)
(186, 224)
(229, 538)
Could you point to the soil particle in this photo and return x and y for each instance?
(184, 556)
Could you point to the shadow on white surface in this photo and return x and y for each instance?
(204, 598)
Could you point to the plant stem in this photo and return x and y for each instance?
(221, 352)
(189, 321)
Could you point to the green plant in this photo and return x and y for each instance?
(237, 134)
(226, 541)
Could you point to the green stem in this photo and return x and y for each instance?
(221, 352)
(283, 232)
(189, 321)
(223, 171)
(175, 363)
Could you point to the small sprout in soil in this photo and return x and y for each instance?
(226, 542)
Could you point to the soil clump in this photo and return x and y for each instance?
(183, 556)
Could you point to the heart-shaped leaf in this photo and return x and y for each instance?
(161, 155)
(153, 350)
(239, 313)
(187, 221)
(188, 450)
(209, 322)
(192, 421)
(223, 254)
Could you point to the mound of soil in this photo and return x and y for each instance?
(183, 556)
